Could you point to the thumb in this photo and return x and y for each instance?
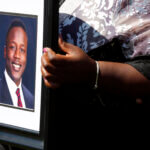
(65, 47)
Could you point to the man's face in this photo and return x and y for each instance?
(15, 53)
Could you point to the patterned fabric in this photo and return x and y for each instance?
(96, 22)
(19, 98)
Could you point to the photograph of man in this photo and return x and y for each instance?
(12, 90)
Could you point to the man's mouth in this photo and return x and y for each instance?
(16, 66)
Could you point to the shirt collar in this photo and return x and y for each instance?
(11, 83)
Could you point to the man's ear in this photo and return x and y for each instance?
(5, 51)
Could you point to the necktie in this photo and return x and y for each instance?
(19, 98)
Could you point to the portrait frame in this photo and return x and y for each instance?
(42, 14)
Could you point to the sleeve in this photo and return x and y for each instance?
(142, 64)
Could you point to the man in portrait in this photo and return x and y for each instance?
(12, 90)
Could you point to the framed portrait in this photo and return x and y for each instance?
(26, 26)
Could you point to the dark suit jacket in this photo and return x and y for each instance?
(5, 96)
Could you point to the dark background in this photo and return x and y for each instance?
(31, 28)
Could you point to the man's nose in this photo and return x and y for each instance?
(17, 53)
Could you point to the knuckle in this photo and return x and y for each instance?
(45, 74)
(51, 84)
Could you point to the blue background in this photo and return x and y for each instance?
(31, 27)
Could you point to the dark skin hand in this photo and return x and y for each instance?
(77, 67)
(74, 67)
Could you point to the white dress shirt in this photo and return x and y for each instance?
(12, 87)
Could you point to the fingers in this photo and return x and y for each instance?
(51, 84)
(55, 66)
(51, 59)
(48, 70)
(49, 79)
(59, 59)
(45, 61)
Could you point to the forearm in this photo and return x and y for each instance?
(122, 79)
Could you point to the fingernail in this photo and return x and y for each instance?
(44, 50)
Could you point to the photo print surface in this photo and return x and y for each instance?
(18, 60)
(21, 44)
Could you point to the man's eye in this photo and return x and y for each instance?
(12, 47)
(22, 50)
